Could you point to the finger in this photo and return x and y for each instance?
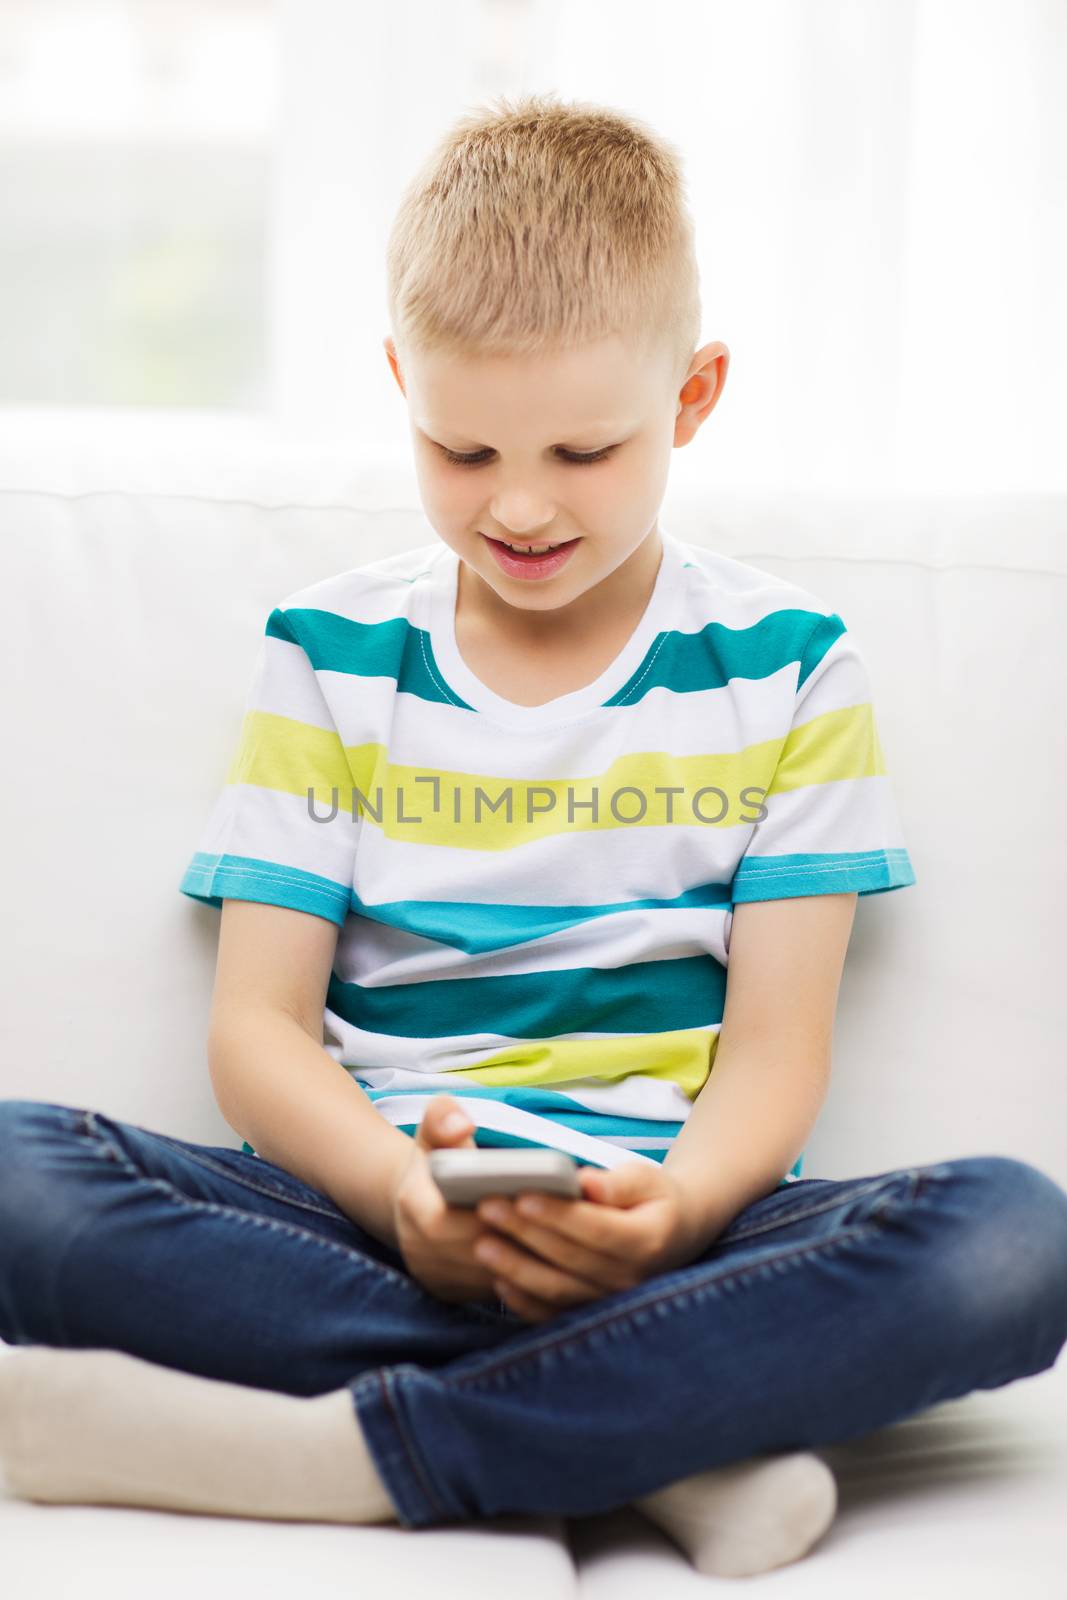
(530, 1305)
(434, 1131)
(596, 1266)
(601, 1228)
(625, 1185)
(527, 1305)
(507, 1260)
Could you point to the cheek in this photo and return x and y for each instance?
(618, 497)
(645, 484)
(452, 498)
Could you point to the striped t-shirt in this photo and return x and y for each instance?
(535, 902)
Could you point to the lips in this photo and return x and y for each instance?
(528, 549)
(519, 565)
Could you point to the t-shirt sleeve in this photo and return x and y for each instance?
(267, 838)
(831, 823)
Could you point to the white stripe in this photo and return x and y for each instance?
(450, 739)
(633, 1096)
(272, 826)
(410, 1109)
(286, 685)
(830, 818)
(380, 955)
(600, 866)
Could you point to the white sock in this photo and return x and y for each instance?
(748, 1516)
(106, 1428)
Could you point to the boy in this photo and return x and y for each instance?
(590, 767)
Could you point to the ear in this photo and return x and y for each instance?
(701, 390)
(394, 361)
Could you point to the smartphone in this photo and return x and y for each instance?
(464, 1176)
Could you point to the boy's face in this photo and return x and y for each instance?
(524, 419)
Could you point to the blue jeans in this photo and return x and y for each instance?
(826, 1309)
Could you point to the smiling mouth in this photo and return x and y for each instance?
(530, 549)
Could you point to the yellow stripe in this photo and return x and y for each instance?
(839, 744)
(684, 1057)
(542, 809)
(282, 753)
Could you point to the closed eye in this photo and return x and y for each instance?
(566, 455)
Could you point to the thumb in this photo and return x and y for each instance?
(434, 1131)
(623, 1185)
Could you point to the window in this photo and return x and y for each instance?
(136, 153)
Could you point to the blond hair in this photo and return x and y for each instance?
(542, 225)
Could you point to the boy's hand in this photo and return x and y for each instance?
(634, 1221)
(434, 1238)
(437, 1240)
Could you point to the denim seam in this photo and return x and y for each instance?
(257, 1188)
(110, 1151)
(928, 1175)
(84, 1132)
(683, 1291)
(693, 1286)
(412, 1455)
(799, 1215)
(407, 1491)
(483, 1314)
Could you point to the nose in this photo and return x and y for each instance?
(516, 514)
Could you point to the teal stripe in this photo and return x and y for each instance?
(825, 633)
(213, 878)
(393, 649)
(476, 927)
(688, 662)
(569, 1113)
(641, 997)
(531, 1098)
(682, 662)
(835, 872)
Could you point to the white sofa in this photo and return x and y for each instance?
(137, 580)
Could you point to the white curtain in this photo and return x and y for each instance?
(878, 188)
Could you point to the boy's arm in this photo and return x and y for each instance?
(284, 1093)
(276, 1084)
(771, 1070)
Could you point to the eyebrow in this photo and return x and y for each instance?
(612, 429)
